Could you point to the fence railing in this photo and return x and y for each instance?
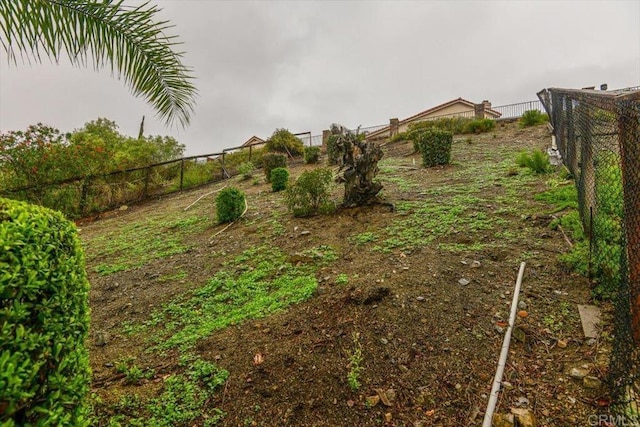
(598, 136)
(514, 111)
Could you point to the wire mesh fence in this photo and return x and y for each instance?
(598, 136)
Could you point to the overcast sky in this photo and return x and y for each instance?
(304, 65)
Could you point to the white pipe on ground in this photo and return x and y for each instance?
(502, 361)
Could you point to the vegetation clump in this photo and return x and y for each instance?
(537, 161)
(310, 193)
(246, 170)
(44, 291)
(434, 145)
(230, 204)
(279, 179)
(533, 118)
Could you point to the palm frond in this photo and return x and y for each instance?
(104, 33)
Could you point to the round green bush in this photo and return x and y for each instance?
(44, 365)
(311, 192)
(230, 204)
(283, 141)
(311, 155)
(279, 179)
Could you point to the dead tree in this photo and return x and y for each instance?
(359, 166)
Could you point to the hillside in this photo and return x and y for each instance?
(308, 319)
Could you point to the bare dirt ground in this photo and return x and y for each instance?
(428, 317)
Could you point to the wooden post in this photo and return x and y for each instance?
(146, 181)
(250, 149)
(181, 173)
(629, 135)
(222, 161)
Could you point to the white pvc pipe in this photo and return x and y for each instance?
(502, 361)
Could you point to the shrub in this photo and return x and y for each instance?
(533, 118)
(537, 161)
(279, 179)
(246, 170)
(272, 161)
(283, 141)
(44, 366)
(479, 126)
(310, 193)
(230, 204)
(435, 146)
(311, 155)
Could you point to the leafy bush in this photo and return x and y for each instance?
(533, 118)
(44, 366)
(537, 161)
(479, 126)
(310, 193)
(279, 179)
(283, 141)
(230, 204)
(246, 170)
(311, 154)
(270, 161)
(435, 146)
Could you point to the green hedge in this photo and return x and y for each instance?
(311, 155)
(279, 179)
(229, 205)
(44, 366)
(435, 146)
(272, 161)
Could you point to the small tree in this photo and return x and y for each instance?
(359, 166)
(283, 141)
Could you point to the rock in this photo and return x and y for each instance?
(463, 282)
(372, 401)
(523, 417)
(590, 342)
(522, 402)
(102, 338)
(522, 305)
(519, 335)
(384, 341)
(499, 329)
(475, 264)
(108, 365)
(305, 233)
(297, 258)
(124, 208)
(502, 420)
(591, 382)
(507, 385)
(562, 344)
(578, 373)
(420, 298)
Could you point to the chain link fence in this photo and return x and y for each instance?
(598, 136)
